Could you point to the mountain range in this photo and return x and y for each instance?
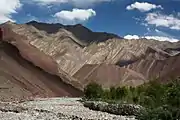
(49, 60)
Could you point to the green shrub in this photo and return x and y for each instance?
(106, 94)
(160, 113)
(121, 92)
(113, 93)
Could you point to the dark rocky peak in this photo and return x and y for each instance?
(82, 33)
(87, 35)
(49, 28)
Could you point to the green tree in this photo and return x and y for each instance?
(93, 91)
(113, 93)
(106, 94)
(121, 92)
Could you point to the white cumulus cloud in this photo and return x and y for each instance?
(44, 2)
(77, 3)
(7, 7)
(75, 16)
(168, 21)
(129, 37)
(143, 6)
(178, 14)
(159, 38)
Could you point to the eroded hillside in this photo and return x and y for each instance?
(67, 58)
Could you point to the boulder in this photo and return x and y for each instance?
(117, 109)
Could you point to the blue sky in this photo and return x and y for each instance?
(158, 19)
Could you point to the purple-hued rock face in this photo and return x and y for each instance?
(1, 34)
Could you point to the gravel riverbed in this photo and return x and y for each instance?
(53, 109)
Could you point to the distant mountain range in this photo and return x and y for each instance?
(40, 59)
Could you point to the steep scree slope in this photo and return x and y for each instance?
(23, 75)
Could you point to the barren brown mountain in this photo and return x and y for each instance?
(40, 59)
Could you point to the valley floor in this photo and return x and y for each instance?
(53, 109)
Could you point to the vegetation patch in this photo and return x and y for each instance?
(159, 101)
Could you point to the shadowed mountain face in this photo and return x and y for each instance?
(39, 59)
